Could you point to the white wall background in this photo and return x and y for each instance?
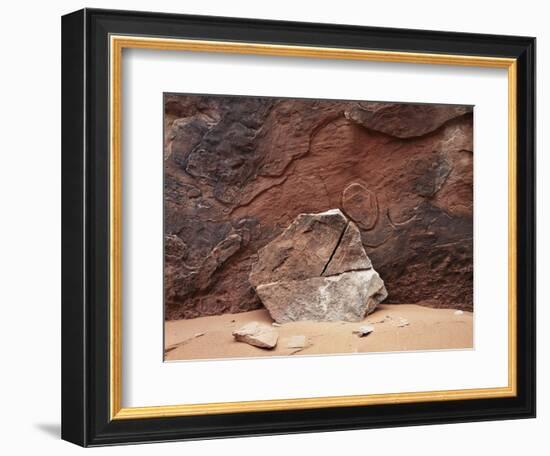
(30, 229)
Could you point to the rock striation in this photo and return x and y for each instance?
(317, 270)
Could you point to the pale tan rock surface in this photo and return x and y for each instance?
(349, 296)
(297, 342)
(257, 334)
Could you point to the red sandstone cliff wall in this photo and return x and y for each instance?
(238, 170)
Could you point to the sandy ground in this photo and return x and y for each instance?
(427, 329)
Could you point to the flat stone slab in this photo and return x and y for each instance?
(257, 334)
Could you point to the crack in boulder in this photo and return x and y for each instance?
(317, 269)
(335, 249)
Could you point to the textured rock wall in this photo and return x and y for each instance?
(238, 170)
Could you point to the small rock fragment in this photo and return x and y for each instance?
(275, 324)
(402, 322)
(364, 330)
(297, 342)
(458, 312)
(257, 334)
(199, 334)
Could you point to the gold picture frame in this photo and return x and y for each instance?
(93, 44)
(117, 45)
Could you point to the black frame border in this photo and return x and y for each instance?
(85, 227)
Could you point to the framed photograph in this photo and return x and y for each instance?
(278, 227)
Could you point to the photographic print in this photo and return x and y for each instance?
(297, 227)
(247, 196)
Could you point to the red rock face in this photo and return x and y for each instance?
(239, 170)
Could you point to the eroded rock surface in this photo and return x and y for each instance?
(404, 120)
(239, 170)
(317, 270)
(302, 251)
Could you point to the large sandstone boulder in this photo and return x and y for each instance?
(317, 270)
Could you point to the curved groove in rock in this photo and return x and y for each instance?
(314, 132)
(395, 224)
(249, 201)
(374, 246)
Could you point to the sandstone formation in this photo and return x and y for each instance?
(239, 170)
(317, 270)
(257, 334)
